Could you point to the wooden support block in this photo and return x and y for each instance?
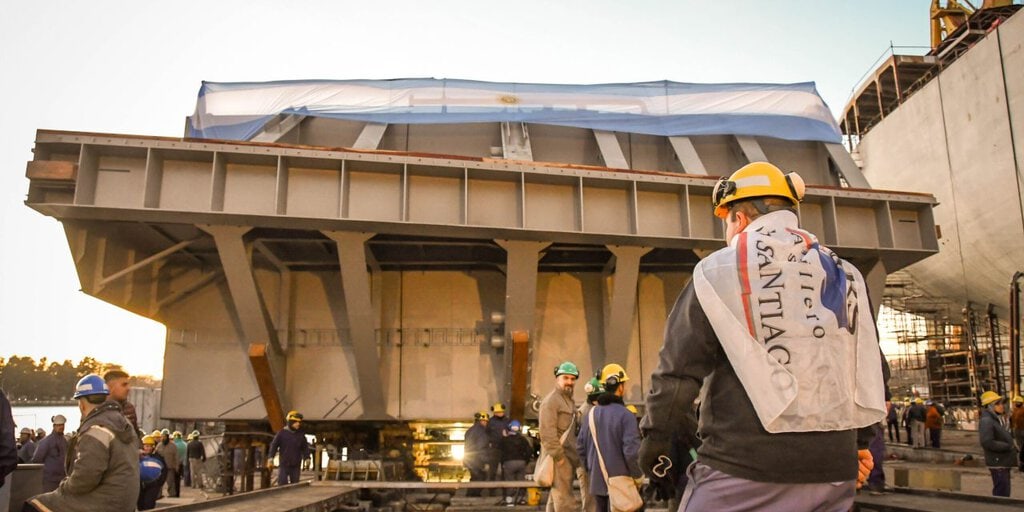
(260, 362)
(51, 170)
(520, 363)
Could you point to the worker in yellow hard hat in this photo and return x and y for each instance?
(497, 428)
(1017, 427)
(475, 450)
(291, 442)
(997, 442)
(609, 438)
(758, 320)
(152, 473)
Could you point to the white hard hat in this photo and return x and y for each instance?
(59, 419)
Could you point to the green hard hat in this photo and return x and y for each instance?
(594, 386)
(567, 368)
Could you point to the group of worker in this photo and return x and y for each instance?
(495, 448)
(104, 465)
(921, 419)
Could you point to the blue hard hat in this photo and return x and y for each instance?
(91, 384)
(514, 425)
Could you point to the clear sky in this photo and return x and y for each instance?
(135, 67)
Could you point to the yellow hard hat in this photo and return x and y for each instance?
(632, 408)
(1018, 399)
(293, 416)
(498, 407)
(482, 415)
(149, 440)
(615, 372)
(990, 397)
(758, 179)
(156, 434)
(177, 433)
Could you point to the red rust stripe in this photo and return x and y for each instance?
(741, 253)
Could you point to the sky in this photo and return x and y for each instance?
(135, 68)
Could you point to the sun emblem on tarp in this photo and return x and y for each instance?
(508, 99)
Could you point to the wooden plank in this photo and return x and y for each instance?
(265, 381)
(51, 170)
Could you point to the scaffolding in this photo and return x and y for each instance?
(943, 350)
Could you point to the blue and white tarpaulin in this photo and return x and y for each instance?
(238, 111)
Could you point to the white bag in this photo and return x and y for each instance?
(544, 471)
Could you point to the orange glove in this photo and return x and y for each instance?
(865, 464)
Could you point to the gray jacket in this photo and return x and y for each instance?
(996, 441)
(102, 466)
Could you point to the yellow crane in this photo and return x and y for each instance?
(946, 19)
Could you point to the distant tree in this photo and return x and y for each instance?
(22, 378)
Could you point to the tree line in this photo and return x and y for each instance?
(25, 379)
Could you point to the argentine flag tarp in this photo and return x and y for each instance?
(238, 111)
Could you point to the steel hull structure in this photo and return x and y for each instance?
(361, 285)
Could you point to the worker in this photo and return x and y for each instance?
(557, 422)
(40, 434)
(8, 451)
(26, 445)
(169, 451)
(52, 452)
(103, 461)
(918, 416)
(196, 459)
(152, 473)
(905, 421)
(594, 389)
(497, 428)
(182, 473)
(516, 452)
(291, 441)
(997, 442)
(778, 330)
(119, 385)
(475, 455)
(892, 421)
(933, 422)
(609, 440)
(1017, 424)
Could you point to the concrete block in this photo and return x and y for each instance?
(918, 478)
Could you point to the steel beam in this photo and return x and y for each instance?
(515, 142)
(265, 355)
(277, 128)
(611, 151)
(687, 155)
(751, 149)
(146, 261)
(370, 136)
(520, 302)
(847, 167)
(618, 329)
(355, 283)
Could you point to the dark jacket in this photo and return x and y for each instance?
(516, 447)
(733, 438)
(293, 446)
(51, 453)
(619, 440)
(996, 441)
(918, 413)
(496, 429)
(476, 445)
(8, 446)
(196, 450)
(102, 466)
